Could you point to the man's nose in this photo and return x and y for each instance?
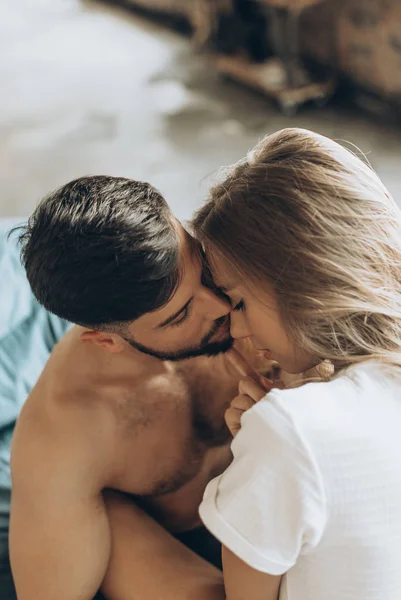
(238, 326)
(215, 306)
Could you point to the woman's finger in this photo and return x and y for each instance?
(242, 402)
(232, 417)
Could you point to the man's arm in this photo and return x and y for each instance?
(59, 531)
(147, 562)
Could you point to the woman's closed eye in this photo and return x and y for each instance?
(239, 306)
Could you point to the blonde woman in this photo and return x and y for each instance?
(305, 240)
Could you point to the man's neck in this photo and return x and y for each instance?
(126, 360)
(145, 363)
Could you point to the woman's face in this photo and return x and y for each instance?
(256, 316)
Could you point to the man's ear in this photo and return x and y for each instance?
(111, 342)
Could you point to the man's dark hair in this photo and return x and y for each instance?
(101, 251)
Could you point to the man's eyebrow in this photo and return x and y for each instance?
(175, 315)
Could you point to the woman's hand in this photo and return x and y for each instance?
(252, 388)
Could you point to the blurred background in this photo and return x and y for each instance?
(170, 90)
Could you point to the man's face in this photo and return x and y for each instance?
(195, 321)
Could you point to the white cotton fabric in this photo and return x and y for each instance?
(314, 491)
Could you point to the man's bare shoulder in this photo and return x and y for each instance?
(52, 437)
(88, 403)
(66, 419)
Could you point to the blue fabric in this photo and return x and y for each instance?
(27, 335)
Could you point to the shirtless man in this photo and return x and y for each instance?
(117, 406)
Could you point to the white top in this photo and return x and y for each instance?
(314, 490)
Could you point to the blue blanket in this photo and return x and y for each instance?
(27, 335)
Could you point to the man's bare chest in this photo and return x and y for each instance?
(172, 440)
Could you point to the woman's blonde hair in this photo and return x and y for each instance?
(308, 218)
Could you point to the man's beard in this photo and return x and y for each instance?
(205, 348)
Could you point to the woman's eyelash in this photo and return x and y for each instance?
(239, 306)
(185, 317)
